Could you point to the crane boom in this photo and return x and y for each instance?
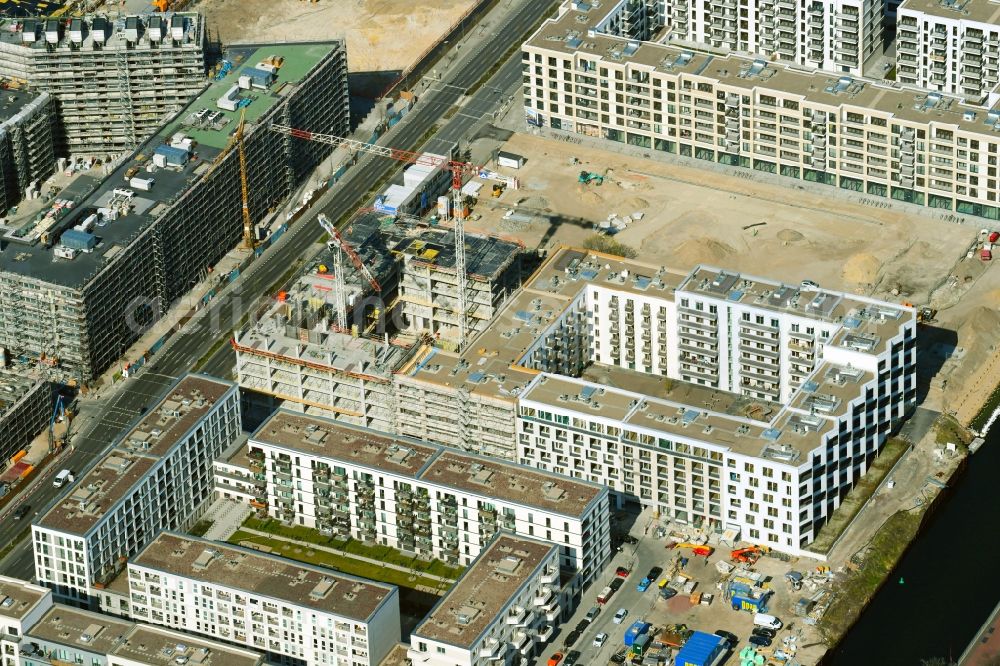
(458, 169)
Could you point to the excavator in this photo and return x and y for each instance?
(747, 555)
(696, 548)
(168, 5)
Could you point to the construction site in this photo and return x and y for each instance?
(26, 408)
(28, 137)
(103, 258)
(139, 71)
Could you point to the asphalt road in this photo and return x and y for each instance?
(225, 312)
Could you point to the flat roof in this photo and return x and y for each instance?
(852, 314)
(13, 387)
(135, 453)
(484, 591)
(14, 100)
(486, 256)
(396, 656)
(470, 473)
(19, 597)
(157, 646)
(982, 11)
(88, 195)
(80, 629)
(574, 33)
(311, 587)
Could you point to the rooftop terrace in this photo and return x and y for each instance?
(981, 11)
(80, 629)
(468, 473)
(135, 452)
(156, 646)
(218, 564)
(18, 597)
(135, 210)
(485, 590)
(568, 34)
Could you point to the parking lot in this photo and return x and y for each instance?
(652, 551)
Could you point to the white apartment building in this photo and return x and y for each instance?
(67, 635)
(295, 613)
(21, 606)
(432, 501)
(950, 46)
(882, 139)
(157, 476)
(721, 400)
(835, 35)
(504, 608)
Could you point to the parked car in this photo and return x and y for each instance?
(809, 284)
(593, 613)
(667, 592)
(654, 573)
(582, 625)
(620, 615)
(622, 572)
(759, 641)
(571, 638)
(555, 659)
(572, 658)
(600, 639)
(629, 539)
(643, 585)
(616, 584)
(764, 631)
(732, 640)
(22, 512)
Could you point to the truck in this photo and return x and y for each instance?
(748, 603)
(63, 477)
(637, 629)
(604, 595)
(986, 254)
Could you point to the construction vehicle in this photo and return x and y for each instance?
(590, 177)
(746, 555)
(696, 548)
(458, 171)
(925, 313)
(497, 190)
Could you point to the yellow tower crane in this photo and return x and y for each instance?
(237, 142)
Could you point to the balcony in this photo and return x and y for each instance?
(492, 649)
(543, 596)
(549, 577)
(518, 616)
(545, 633)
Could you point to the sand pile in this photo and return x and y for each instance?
(790, 235)
(862, 268)
(979, 330)
(702, 251)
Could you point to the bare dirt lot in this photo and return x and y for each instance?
(381, 35)
(692, 216)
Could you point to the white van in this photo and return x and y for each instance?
(63, 477)
(769, 621)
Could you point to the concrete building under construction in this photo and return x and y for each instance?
(294, 353)
(84, 278)
(28, 137)
(25, 410)
(138, 71)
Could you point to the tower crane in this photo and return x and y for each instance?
(237, 142)
(458, 170)
(340, 247)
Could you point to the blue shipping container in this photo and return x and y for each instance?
(700, 649)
